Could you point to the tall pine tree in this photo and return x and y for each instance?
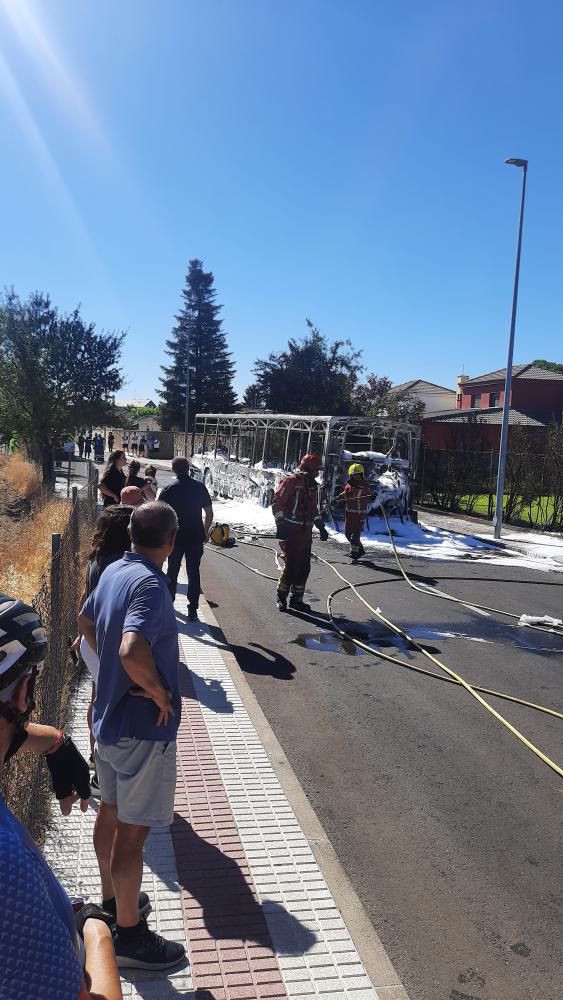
(211, 368)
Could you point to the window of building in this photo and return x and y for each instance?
(494, 399)
(476, 401)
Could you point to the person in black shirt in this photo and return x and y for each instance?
(113, 479)
(189, 499)
(133, 477)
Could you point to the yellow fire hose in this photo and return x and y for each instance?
(447, 673)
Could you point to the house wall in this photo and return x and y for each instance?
(486, 390)
(479, 437)
(533, 394)
(435, 401)
(528, 395)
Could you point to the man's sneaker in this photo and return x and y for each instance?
(192, 615)
(281, 602)
(110, 906)
(147, 951)
(298, 604)
(95, 787)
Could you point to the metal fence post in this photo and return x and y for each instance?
(421, 500)
(55, 579)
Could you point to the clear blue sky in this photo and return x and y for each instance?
(338, 160)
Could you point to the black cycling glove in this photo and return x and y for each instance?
(92, 912)
(69, 771)
(323, 533)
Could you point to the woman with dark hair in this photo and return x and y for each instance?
(133, 478)
(111, 539)
(113, 479)
(151, 485)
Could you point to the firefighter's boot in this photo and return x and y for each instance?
(281, 600)
(297, 603)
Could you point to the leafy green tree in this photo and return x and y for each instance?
(375, 399)
(197, 332)
(252, 397)
(311, 376)
(56, 374)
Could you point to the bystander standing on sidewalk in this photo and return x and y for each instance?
(113, 479)
(142, 445)
(131, 496)
(130, 619)
(81, 443)
(133, 477)
(41, 952)
(151, 484)
(134, 443)
(88, 445)
(111, 439)
(111, 540)
(125, 441)
(190, 500)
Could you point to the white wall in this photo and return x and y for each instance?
(435, 399)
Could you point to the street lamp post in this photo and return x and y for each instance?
(497, 521)
(187, 402)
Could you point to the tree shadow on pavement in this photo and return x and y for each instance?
(230, 909)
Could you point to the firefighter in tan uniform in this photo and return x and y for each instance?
(296, 510)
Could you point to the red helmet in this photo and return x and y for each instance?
(310, 463)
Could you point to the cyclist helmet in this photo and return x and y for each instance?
(23, 648)
(356, 469)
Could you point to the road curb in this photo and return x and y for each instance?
(377, 963)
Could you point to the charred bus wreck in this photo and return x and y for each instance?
(248, 454)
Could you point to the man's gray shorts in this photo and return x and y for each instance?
(139, 777)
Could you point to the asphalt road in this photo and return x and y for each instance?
(448, 828)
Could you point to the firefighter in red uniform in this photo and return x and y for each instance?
(356, 497)
(296, 510)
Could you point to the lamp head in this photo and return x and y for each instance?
(517, 163)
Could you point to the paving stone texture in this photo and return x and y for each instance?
(234, 879)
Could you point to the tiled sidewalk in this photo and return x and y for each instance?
(235, 879)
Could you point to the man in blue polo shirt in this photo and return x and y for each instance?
(129, 620)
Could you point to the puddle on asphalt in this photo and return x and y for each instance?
(331, 642)
(377, 635)
(327, 642)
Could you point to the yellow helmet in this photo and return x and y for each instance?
(356, 469)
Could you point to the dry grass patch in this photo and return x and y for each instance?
(23, 476)
(26, 555)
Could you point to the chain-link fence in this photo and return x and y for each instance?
(26, 784)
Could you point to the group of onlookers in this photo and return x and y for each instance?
(128, 638)
(97, 443)
(132, 489)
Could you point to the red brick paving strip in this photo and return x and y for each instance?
(231, 951)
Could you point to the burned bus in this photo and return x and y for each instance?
(247, 455)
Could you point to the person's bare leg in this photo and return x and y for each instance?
(100, 973)
(104, 834)
(127, 871)
(89, 719)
